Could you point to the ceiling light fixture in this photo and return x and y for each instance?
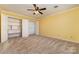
(36, 12)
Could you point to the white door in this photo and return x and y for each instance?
(25, 26)
(32, 29)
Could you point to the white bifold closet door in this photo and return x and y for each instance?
(14, 27)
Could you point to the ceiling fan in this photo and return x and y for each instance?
(36, 9)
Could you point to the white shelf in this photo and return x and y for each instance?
(14, 27)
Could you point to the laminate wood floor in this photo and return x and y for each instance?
(38, 45)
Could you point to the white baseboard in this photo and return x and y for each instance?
(66, 39)
(61, 38)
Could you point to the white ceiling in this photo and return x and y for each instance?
(22, 8)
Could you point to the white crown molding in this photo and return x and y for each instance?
(61, 12)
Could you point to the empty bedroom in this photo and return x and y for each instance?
(39, 28)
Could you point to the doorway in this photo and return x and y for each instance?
(32, 28)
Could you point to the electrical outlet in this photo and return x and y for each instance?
(70, 36)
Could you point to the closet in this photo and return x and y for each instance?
(14, 27)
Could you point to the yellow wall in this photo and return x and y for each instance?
(64, 25)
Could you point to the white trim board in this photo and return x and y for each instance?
(61, 38)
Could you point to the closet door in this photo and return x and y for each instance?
(4, 27)
(14, 27)
(25, 26)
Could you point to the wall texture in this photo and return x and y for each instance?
(63, 25)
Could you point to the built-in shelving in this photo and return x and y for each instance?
(14, 27)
